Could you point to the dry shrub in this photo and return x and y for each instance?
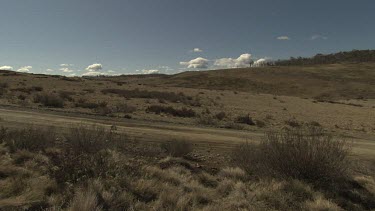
(85, 200)
(206, 119)
(221, 115)
(177, 148)
(87, 152)
(306, 154)
(94, 138)
(67, 95)
(49, 100)
(233, 173)
(183, 112)
(136, 93)
(124, 108)
(31, 138)
(245, 119)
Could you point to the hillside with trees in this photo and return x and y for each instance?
(354, 56)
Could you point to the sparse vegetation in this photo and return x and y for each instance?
(183, 112)
(49, 100)
(245, 119)
(93, 168)
(167, 96)
(177, 148)
(307, 154)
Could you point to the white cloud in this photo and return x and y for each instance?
(66, 65)
(196, 63)
(242, 61)
(111, 71)
(150, 71)
(50, 70)
(25, 69)
(66, 70)
(260, 62)
(94, 67)
(318, 36)
(197, 50)
(6, 68)
(283, 38)
(93, 73)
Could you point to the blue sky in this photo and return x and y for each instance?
(123, 36)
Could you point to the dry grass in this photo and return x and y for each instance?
(89, 169)
(306, 154)
(177, 148)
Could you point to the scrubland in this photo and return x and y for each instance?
(93, 168)
(312, 118)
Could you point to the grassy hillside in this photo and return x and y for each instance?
(334, 81)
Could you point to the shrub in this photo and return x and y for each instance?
(66, 95)
(293, 123)
(306, 154)
(92, 139)
(221, 115)
(125, 108)
(30, 138)
(29, 90)
(49, 100)
(177, 148)
(207, 120)
(245, 119)
(161, 96)
(184, 112)
(4, 85)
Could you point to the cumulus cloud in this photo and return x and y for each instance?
(150, 71)
(283, 38)
(242, 61)
(196, 63)
(25, 69)
(197, 50)
(66, 65)
(94, 67)
(66, 70)
(50, 70)
(260, 62)
(6, 68)
(318, 36)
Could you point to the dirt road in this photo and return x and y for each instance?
(150, 131)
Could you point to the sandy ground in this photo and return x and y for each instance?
(204, 138)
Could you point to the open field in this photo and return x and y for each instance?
(142, 123)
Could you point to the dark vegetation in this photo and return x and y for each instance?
(167, 96)
(354, 56)
(29, 90)
(177, 148)
(183, 112)
(306, 154)
(49, 100)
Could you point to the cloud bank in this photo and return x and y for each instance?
(6, 68)
(196, 63)
(25, 69)
(242, 61)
